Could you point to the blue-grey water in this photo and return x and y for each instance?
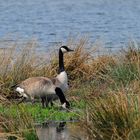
(114, 22)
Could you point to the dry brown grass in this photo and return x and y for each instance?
(17, 64)
(114, 116)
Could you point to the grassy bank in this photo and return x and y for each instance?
(42, 115)
(104, 89)
(113, 104)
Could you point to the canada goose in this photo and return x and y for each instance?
(42, 86)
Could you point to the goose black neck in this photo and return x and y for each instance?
(61, 62)
(60, 94)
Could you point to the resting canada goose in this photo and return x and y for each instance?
(42, 86)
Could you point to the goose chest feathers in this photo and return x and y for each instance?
(62, 81)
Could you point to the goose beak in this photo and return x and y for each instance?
(70, 50)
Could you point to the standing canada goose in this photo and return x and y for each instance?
(42, 86)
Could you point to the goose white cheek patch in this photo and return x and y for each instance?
(63, 50)
(64, 105)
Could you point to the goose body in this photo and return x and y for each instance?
(36, 87)
(48, 89)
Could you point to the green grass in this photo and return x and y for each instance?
(123, 74)
(17, 123)
(40, 114)
(23, 117)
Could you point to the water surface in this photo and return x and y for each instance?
(114, 22)
(59, 131)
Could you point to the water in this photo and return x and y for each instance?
(59, 131)
(114, 22)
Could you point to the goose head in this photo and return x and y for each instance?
(65, 49)
(66, 105)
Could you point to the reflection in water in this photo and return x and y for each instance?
(60, 131)
(60, 127)
(53, 131)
